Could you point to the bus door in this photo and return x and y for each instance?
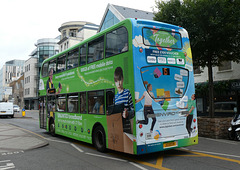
(51, 100)
(42, 112)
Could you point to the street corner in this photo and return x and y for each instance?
(13, 138)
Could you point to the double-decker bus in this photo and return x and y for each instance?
(129, 88)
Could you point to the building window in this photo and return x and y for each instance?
(73, 33)
(109, 20)
(64, 33)
(225, 65)
(197, 70)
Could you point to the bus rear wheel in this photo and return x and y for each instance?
(99, 139)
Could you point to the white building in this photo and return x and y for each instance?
(45, 48)
(74, 32)
(12, 70)
(30, 83)
(226, 88)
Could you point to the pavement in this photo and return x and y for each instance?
(13, 138)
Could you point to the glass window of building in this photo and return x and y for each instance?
(109, 21)
(73, 33)
(225, 65)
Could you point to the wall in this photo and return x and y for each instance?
(216, 128)
(219, 75)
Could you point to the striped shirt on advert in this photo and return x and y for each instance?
(124, 97)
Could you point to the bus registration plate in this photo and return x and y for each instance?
(170, 144)
(3, 111)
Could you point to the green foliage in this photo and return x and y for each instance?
(213, 26)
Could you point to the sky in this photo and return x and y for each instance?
(23, 22)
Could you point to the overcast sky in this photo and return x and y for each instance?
(23, 22)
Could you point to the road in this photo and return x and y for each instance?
(64, 153)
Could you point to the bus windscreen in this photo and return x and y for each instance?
(162, 38)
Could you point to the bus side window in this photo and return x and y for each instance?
(72, 103)
(96, 102)
(83, 53)
(61, 66)
(61, 103)
(96, 49)
(83, 104)
(117, 42)
(72, 59)
(52, 66)
(45, 70)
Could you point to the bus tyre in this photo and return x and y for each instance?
(99, 139)
(52, 128)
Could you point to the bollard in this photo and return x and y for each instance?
(23, 112)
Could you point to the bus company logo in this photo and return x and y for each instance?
(163, 39)
(151, 59)
(163, 114)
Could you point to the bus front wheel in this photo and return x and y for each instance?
(99, 139)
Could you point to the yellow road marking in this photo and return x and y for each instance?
(29, 132)
(213, 156)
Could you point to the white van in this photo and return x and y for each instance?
(6, 109)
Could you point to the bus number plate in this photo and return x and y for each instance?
(3, 111)
(170, 144)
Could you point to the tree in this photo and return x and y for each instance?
(213, 27)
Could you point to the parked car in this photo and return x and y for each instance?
(16, 108)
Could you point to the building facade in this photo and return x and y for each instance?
(12, 70)
(18, 91)
(74, 32)
(114, 14)
(45, 48)
(30, 83)
(226, 89)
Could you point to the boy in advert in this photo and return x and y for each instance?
(123, 98)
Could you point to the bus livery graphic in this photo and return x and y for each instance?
(129, 88)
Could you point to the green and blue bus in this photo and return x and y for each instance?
(129, 88)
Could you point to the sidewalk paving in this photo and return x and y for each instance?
(13, 138)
